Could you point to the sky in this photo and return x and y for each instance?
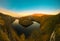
(31, 6)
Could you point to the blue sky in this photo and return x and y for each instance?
(29, 5)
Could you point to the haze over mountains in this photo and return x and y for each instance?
(7, 12)
(15, 14)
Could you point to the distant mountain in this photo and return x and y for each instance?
(38, 14)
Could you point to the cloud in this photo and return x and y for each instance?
(29, 12)
(7, 12)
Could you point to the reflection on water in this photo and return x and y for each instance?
(27, 31)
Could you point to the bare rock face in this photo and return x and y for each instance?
(25, 21)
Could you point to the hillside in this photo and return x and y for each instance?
(6, 31)
(48, 24)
